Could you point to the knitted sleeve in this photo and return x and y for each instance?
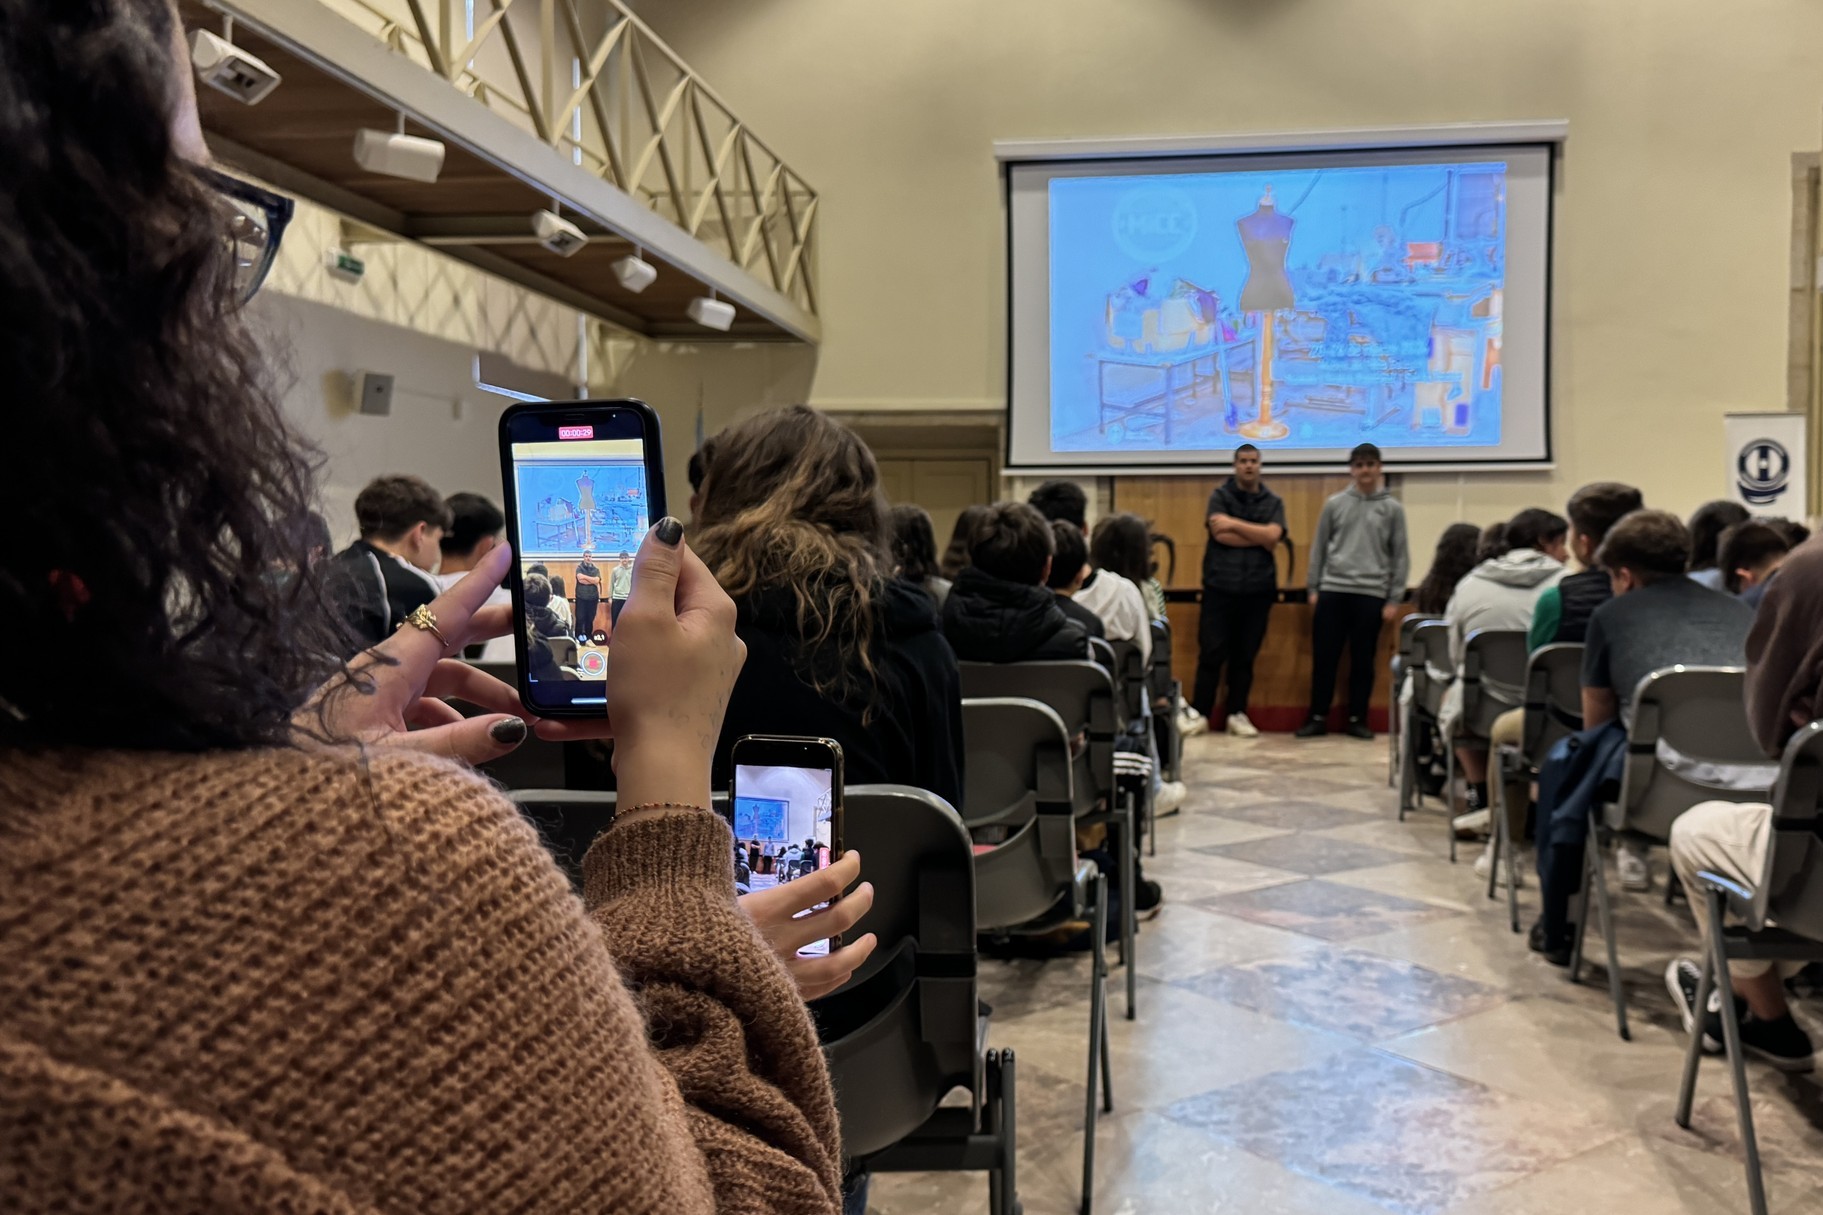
(722, 1014)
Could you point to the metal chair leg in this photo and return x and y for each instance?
(1591, 854)
(990, 1125)
(1009, 1133)
(1449, 795)
(1693, 1052)
(1616, 992)
(1129, 909)
(1512, 851)
(1098, 1036)
(1408, 779)
(1737, 1062)
(1497, 838)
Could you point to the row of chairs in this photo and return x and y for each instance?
(1688, 742)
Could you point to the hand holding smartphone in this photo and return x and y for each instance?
(583, 480)
(785, 808)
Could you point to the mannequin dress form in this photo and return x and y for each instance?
(1266, 237)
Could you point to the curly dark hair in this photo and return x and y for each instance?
(153, 486)
(914, 542)
(1455, 557)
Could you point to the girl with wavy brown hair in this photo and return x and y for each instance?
(794, 525)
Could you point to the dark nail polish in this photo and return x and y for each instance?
(510, 731)
(669, 531)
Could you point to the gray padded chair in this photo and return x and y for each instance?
(1082, 696)
(1400, 663)
(1697, 715)
(1033, 882)
(1493, 682)
(1431, 672)
(1553, 711)
(1130, 690)
(1780, 919)
(1167, 693)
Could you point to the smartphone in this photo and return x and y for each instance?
(785, 806)
(583, 481)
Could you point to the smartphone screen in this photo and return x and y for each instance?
(584, 482)
(786, 807)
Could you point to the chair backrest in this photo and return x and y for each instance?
(902, 1033)
(1080, 693)
(1130, 680)
(1430, 658)
(1407, 627)
(1553, 699)
(1018, 765)
(1493, 678)
(1689, 742)
(1158, 675)
(1101, 653)
(1790, 892)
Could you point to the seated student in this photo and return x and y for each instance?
(560, 602)
(1795, 533)
(384, 576)
(914, 546)
(1498, 594)
(1120, 557)
(1706, 527)
(999, 610)
(1069, 567)
(1784, 690)
(1493, 542)
(476, 526)
(955, 556)
(1561, 616)
(1455, 557)
(793, 524)
(1563, 611)
(1657, 618)
(538, 599)
(1749, 554)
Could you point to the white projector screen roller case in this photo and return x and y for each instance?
(1165, 311)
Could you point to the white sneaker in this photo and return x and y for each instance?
(1240, 727)
(1169, 797)
(1473, 823)
(1486, 859)
(1635, 873)
(1190, 723)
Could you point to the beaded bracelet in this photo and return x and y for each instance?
(661, 806)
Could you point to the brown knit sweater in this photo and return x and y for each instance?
(282, 982)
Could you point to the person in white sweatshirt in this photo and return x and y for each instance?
(1500, 593)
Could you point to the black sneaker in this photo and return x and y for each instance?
(1148, 897)
(1556, 953)
(1682, 978)
(1316, 727)
(1780, 1043)
(1357, 728)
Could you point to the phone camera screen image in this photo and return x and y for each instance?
(583, 505)
(783, 828)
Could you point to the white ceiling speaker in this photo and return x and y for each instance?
(395, 154)
(226, 68)
(711, 313)
(557, 234)
(635, 273)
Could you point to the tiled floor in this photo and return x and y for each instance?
(1334, 1020)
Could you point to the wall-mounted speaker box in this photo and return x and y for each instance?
(373, 393)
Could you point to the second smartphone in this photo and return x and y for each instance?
(584, 480)
(786, 800)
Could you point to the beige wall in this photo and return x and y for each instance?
(1672, 221)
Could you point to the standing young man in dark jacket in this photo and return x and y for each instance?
(1246, 521)
(1359, 562)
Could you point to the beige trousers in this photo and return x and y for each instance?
(1727, 839)
(1509, 728)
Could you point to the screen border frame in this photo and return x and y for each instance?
(1547, 136)
(628, 418)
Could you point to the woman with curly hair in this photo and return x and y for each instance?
(267, 947)
(794, 525)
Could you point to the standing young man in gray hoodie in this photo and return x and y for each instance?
(1359, 562)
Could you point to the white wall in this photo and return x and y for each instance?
(1672, 223)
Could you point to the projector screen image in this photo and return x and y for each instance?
(1165, 312)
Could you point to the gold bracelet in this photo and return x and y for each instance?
(662, 806)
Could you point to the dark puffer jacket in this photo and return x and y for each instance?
(989, 619)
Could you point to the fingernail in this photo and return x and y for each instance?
(510, 731)
(669, 531)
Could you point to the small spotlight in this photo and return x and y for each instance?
(557, 234)
(394, 154)
(711, 313)
(228, 69)
(635, 273)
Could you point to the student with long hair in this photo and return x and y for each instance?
(268, 948)
(955, 555)
(914, 548)
(1456, 554)
(794, 526)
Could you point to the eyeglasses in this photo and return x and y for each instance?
(256, 223)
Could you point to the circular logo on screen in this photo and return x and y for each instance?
(1154, 224)
(1762, 470)
(594, 664)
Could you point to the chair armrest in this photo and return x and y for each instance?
(1739, 897)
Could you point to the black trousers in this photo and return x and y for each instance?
(585, 614)
(1229, 633)
(1343, 619)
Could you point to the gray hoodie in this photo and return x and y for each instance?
(1500, 594)
(1360, 545)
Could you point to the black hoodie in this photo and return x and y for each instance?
(989, 619)
(914, 736)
